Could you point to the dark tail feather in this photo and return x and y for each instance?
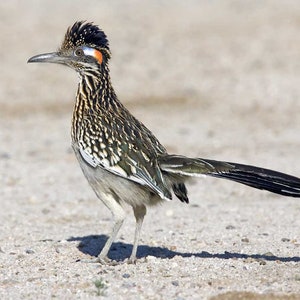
(256, 177)
(263, 179)
(180, 191)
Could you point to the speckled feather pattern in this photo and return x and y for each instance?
(112, 137)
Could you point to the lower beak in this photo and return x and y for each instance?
(53, 57)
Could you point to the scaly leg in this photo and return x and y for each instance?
(119, 216)
(139, 213)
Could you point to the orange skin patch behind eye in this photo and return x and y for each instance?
(98, 55)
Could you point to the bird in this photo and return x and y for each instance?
(122, 160)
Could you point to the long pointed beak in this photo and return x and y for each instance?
(53, 57)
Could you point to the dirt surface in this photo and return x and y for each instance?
(214, 79)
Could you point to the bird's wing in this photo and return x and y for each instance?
(132, 167)
(125, 147)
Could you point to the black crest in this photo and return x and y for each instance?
(84, 33)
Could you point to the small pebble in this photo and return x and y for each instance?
(169, 213)
(230, 227)
(5, 155)
(45, 211)
(151, 258)
(175, 282)
(128, 285)
(29, 251)
(126, 275)
(32, 199)
(245, 240)
(269, 254)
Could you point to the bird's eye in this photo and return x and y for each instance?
(79, 52)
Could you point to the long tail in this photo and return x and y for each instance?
(256, 177)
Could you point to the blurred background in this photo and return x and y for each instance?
(246, 51)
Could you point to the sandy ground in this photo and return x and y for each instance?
(214, 79)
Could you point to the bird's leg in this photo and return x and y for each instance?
(119, 216)
(139, 213)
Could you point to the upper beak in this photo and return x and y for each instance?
(53, 57)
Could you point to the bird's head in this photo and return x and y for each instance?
(84, 47)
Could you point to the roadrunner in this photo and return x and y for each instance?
(121, 159)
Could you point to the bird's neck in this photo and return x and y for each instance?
(95, 97)
(95, 89)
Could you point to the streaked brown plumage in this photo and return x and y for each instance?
(122, 160)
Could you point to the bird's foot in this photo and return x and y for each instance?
(131, 260)
(102, 261)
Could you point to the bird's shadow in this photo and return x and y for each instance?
(92, 245)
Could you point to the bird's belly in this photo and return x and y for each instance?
(123, 190)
